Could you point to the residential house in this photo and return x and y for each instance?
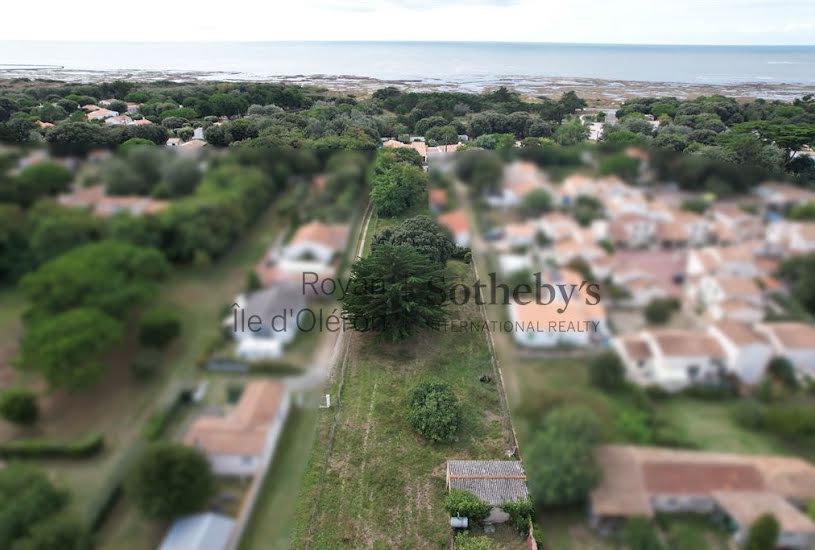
(795, 341)
(314, 248)
(437, 200)
(789, 238)
(747, 350)
(780, 197)
(275, 310)
(102, 205)
(519, 179)
(101, 114)
(672, 359)
(119, 120)
(419, 146)
(243, 440)
(204, 531)
(495, 482)
(633, 230)
(643, 481)
(730, 297)
(459, 225)
(732, 224)
(539, 324)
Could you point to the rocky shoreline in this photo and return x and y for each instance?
(598, 92)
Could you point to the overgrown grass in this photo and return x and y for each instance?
(382, 485)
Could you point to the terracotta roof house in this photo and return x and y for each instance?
(458, 224)
(437, 199)
(102, 205)
(641, 481)
(314, 248)
(101, 114)
(495, 482)
(242, 442)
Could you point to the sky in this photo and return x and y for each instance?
(761, 22)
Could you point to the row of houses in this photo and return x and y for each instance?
(674, 359)
(735, 489)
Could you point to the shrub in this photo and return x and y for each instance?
(685, 537)
(763, 533)
(520, 513)
(465, 541)
(750, 415)
(19, 405)
(782, 370)
(790, 420)
(48, 448)
(434, 411)
(465, 504)
(146, 364)
(641, 534)
(659, 310)
(607, 372)
(159, 326)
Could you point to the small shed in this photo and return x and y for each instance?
(494, 481)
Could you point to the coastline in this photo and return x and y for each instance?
(598, 92)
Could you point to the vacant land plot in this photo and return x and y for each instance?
(381, 485)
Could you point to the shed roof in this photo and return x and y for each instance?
(208, 530)
(493, 481)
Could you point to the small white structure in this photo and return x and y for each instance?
(206, 531)
(263, 322)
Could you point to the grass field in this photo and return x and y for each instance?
(381, 485)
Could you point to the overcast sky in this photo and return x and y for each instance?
(591, 21)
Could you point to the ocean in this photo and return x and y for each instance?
(464, 65)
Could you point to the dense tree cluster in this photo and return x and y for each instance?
(398, 183)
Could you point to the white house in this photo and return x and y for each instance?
(795, 341)
(264, 322)
(747, 350)
(495, 482)
(240, 442)
(671, 359)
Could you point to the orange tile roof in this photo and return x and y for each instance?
(456, 221)
(244, 429)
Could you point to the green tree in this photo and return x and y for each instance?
(607, 372)
(763, 533)
(536, 203)
(481, 170)
(395, 291)
(398, 189)
(571, 133)
(686, 537)
(641, 534)
(34, 499)
(159, 326)
(442, 135)
(559, 459)
(421, 233)
(35, 181)
(171, 480)
(659, 310)
(19, 405)
(804, 211)
(783, 370)
(62, 531)
(65, 347)
(77, 138)
(434, 411)
(129, 144)
(465, 504)
(620, 165)
(109, 275)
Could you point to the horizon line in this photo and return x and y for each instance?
(376, 41)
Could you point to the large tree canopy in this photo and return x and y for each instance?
(421, 233)
(171, 480)
(394, 292)
(109, 275)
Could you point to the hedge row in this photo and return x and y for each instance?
(49, 448)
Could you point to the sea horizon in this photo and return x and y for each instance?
(465, 65)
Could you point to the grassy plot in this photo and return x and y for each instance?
(381, 485)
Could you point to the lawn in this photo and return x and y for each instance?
(380, 484)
